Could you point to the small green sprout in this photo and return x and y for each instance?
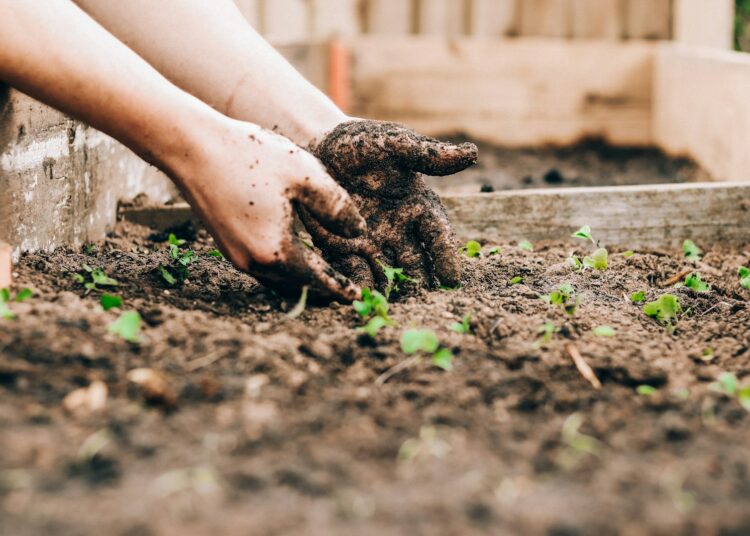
(545, 332)
(516, 280)
(299, 308)
(575, 263)
(23, 295)
(666, 309)
(167, 276)
(110, 301)
(96, 278)
(494, 251)
(89, 248)
(691, 252)
(565, 298)
(728, 384)
(584, 233)
(525, 244)
(628, 254)
(598, 260)
(708, 355)
(645, 390)
(372, 303)
(217, 254)
(127, 326)
(395, 277)
(373, 326)
(177, 272)
(472, 249)
(426, 341)
(694, 282)
(604, 331)
(6, 297)
(744, 273)
(462, 327)
(638, 297)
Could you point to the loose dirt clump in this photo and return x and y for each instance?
(257, 423)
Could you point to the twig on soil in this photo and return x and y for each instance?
(204, 361)
(388, 374)
(676, 278)
(583, 367)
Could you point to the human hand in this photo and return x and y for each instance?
(245, 185)
(380, 165)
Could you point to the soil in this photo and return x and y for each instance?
(592, 162)
(258, 423)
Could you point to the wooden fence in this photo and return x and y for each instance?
(285, 21)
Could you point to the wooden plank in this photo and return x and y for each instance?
(494, 18)
(597, 19)
(629, 216)
(708, 23)
(511, 92)
(649, 19)
(545, 18)
(335, 18)
(286, 21)
(702, 108)
(251, 10)
(389, 17)
(442, 17)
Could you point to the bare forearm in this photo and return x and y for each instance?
(208, 49)
(55, 52)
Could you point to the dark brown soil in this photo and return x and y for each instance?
(279, 426)
(589, 163)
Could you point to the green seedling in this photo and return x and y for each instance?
(584, 233)
(575, 263)
(604, 331)
(638, 297)
(545, 332)
(127, 326)
(728, 384)
(6, 298)
(598, 260)
(708, 355)
(525, 244)
(372, 303)
(645, 390)
(89, 248)
(494, 251)
(628, 254)
(110, 301)
(472, 249)
(666, 310)
(516, 280)
(426, 341)
(94, 278)
(299, 308)
(217, 254)
(373, 326)
(694, 282)
(395, 277)
(462, 327)
(564, 298)
(23, 295)
(177, 272)
(691, 252)
(744, 273)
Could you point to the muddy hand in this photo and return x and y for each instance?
(380, 164)
(246, 190)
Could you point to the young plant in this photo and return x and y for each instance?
(94, 278)
(373, 326)
(728, 384)
(691, 252)
(744, 273)
(6, 298)
(426, 341)
(564, 298)
(598, 260)
(373, 306)
(110, 301)
(472, 249)
(127, 326)
(494, 251)
(177, 271)
(666, 310)
(638, 297)
(516, 280)
(462, 327)
(645, 390)
(525, 244)
(394, 276)
(216, 254)
(584, 233)
(545, 332)
(694, 282)
(299, 308)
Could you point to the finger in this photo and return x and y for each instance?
(440, 242)
(327, 282)
(410, 257)
(330, 204)
(433, 157)
(357, 269)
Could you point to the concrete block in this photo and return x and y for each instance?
(6, 274)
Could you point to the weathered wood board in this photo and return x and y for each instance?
(512, 91)
(630, 216)
(597, 19)
(494, 18)
(448, 18)
(389, 17)
(707, 23)
(649, 19)
(545, 18)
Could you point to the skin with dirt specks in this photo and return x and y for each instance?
(380, 165)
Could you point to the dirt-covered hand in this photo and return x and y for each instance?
(381, 165)
(246, 187)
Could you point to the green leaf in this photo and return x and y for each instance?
(744, 397)
(694, 282)
(24, 294)
(167, 276)
(78, 278)
(726, 384)
(666, 309)
(373, 302)
(101, 279)
(462, 327)
(216, 253)
(110, 301)
(598, 260)
(472, 249)
(692, 252)
(516, 280)
(525, 244)
(645, 390)
(443, 359)
(394, 276)
(708, 355)
(298, 309)
(494, 251)
(187, 257)
(5, 312)
(604, 331)
(744, 277)
(575, 263)
(4, 295)
(628, 254)
(127, 326)
(546, 332)
(419, 340)
(638, 297)
(584, 233)
(174, 241)
(373, 327)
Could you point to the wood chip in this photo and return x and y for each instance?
(583, 367)
(153, 386)
(677, 278)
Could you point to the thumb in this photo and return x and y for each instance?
(435, 158)
(330, 204)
